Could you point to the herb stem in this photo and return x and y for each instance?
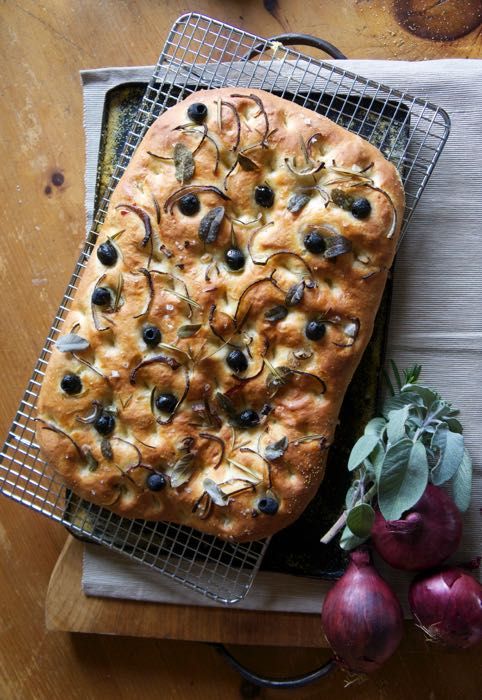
(341, 522)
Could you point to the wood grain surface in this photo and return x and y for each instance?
(43, 46)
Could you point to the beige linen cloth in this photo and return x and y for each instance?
(436, 316)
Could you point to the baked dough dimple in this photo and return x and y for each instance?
(239, 454)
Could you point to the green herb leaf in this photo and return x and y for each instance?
(462, 483)
(276, 449)
(377, 458)
(297, 202)
(411, 374)
(399, 401)
(450, 449)
(396, 424)
(71, 342)
(182, 470)
(375, 426)
(184, 163)
(226, 404)
(361, 450)
(246, 163)
(210, 225)
(427, 395)
(360, 520)
(215, 492)
(188, 330)
(295, 294)
(403, 478)
(454, 425)
(350, 541)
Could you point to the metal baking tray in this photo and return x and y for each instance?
(200, 53)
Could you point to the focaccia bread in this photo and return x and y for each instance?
(221, 315)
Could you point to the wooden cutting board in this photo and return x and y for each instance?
(69, 610)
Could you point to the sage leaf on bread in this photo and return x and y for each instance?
(275, 450)
(213, 489)
(182, 470)
(183, 163)
(297, 202)
(71, 342)
(188, 330)
(211, 224)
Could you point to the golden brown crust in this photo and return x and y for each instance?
(343, 291)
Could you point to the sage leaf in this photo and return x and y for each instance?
(450, 449)
(361, 450)
(71, 342)
(92, 462)
(399, 401)
(188, 330)
(337, 245)
(396, 424)
(182, 470)
(403, 478)
(360, 520)
(218, 496)
(462, 483)
(276, 313)
(376, 459)
(350, 541)
(375, 426)
(106, 449)
(297, 202)
(427, 395)
(295, 294)
(454, 425)
(183, 163)
(342, 199)
(275, 450)
(246, 163)
(210, 225)
(226, 404)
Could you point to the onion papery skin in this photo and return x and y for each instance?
(427, 534)
(361, 617)
(447, 604)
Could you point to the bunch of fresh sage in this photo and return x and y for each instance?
(416, 440)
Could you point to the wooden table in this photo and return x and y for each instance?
(44, 45)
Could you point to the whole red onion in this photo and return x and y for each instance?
(361, 617)
(448, 605)
(426, 535)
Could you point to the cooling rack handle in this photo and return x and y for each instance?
(296, 39)
(264, 682)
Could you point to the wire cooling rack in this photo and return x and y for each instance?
(204, 53)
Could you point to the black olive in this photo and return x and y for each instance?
(101, 296)
(361, 208)
(234, 258)
(105, 424)
(107, 254)
(237, 361)
(264, 196)
(268, 506)
(315, 330)
(197, 112)
(71, 384)
(248, 418)
(189, 205)
(151, 335)
(166, 403)
(156, 481)
(314, 242)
